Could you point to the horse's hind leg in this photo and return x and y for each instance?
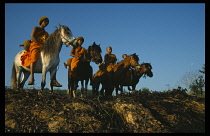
(86, 86)
(52, 75)
(18, 75)
(82, 88)
(24, 78)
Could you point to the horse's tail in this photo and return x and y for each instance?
(13, 78)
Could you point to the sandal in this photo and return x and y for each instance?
(55, 83)
(31, 82)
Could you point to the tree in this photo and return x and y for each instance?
(195, 81)
(189, 78)
(203, 71)
(145, 90)
(197, 86)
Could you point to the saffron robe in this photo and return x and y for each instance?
(110, 61)
(34, 51)
(78, 52)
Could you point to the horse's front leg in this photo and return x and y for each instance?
(75, 88)
(121, 88)
(43, 83)
(102, 90)
(134, 83)
(18, 74)
(86, 86)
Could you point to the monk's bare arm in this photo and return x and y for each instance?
(72, 53)
(33, 37)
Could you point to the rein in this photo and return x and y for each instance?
(64, 38)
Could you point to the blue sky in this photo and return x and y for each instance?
(169, 36)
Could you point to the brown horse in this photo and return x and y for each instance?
(84, 70)
(132, 77)
(112, 79)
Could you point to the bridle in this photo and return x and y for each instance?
(66, 40)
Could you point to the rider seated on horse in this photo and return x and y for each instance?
(76, 53)
(29, 58)
(109, 59)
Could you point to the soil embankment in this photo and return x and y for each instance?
(27, 112)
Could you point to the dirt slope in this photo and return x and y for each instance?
(25, 111)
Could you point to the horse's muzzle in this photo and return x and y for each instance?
(150, 73)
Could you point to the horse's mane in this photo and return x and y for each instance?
(94, 46)
(126, 59)
(52, 42)
(147, 65)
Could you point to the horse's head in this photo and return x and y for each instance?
(95, 53)
(147, 69)
(66, 34)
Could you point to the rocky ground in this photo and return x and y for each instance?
(157, 112)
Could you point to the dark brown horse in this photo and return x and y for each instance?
(112, 79)
(132, 77)
(84, 70)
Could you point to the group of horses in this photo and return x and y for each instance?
(49, 60)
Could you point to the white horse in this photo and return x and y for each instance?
(48, 60)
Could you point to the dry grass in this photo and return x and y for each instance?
(27, 112)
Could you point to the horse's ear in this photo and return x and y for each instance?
(94, 43)
(59, 24)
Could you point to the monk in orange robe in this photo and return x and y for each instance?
(76, 53)
(39, 36)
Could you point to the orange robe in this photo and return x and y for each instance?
(78, 52)
(110, 61)
(33, 55)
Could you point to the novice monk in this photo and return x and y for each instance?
(38, 36)
(76, 53)
(109, 59)
(124, 56)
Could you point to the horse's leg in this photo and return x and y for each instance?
(121, 88)
(75, 88)
(82, 87)
(15, 77)
(91, 75)
(52, 78)
(134, 83)
(43, 83)
(94, 86)
(102, 90)
(69, 82)
(24, 78)
(86, 86)
(134, 87)
(71, 88)
(19, 70)
(116, 89)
